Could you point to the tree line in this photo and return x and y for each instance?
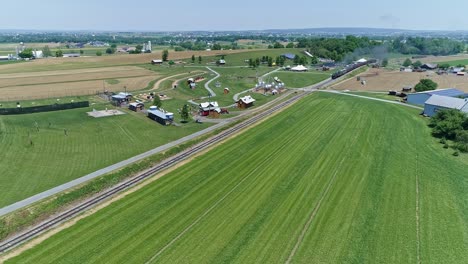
(451, 124)
(426, 46)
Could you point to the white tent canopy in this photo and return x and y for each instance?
(361, 60)
(299, 68)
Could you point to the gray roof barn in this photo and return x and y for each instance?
(438, 102)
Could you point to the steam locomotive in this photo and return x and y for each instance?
(352, 67)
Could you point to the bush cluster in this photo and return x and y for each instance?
(452, 125)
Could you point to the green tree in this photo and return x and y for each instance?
(407, 62)
(98, 53)
(171, 62)
(199, 59)
(270, 61)
(138, 49)
(165, 55)
(417, 64)
(46, 51)
(217, 46)
(251, 63)
(157, 101)
(81, 52)
(278, 45)
(26, 54)
(447, 123)
(444, 66)
(193, 58)
(184, 114)
(114, 46)
(59, 53)
(314, 60)
(385, 62)
(290, 45)
(110, 51)
(425, 85)
(297, 60)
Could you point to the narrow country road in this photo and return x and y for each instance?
(375, 99)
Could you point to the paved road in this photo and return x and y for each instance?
(207, 84)
(375, 99)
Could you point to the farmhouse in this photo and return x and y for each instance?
(209, 108)
(71, 55)
(421, 97)
(37, 54)
(437, 102)
(120, 98)
(221, 62)
(137, 107)
(457, 69)
(429, 66)
(245, 102)
(289, 56)
(160, 116)
(154, 62)
(408, 69)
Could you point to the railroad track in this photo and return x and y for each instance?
(88, 204)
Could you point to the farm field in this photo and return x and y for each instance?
(382, 80)
(90, 144)
(103, 61)
(46, 84)
(239, 58)
(334, 179)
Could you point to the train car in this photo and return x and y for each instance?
(352, 67)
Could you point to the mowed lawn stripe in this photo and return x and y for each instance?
(367, 216)
(247, 212)
(349, 228)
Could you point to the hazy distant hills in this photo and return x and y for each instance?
(323, 31)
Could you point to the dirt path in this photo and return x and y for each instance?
(158, 83)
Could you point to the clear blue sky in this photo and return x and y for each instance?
(231, 15)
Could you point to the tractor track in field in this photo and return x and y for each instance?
(90, 203)
(418, 227)
(317, 208)
(311, 218)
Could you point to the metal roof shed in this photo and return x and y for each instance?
(421, 97)
(437, 102)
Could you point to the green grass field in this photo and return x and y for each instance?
(91, 144)
(238, 59)
(333, 177)
(454, 62)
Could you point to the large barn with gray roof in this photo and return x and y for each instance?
(421, 97)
